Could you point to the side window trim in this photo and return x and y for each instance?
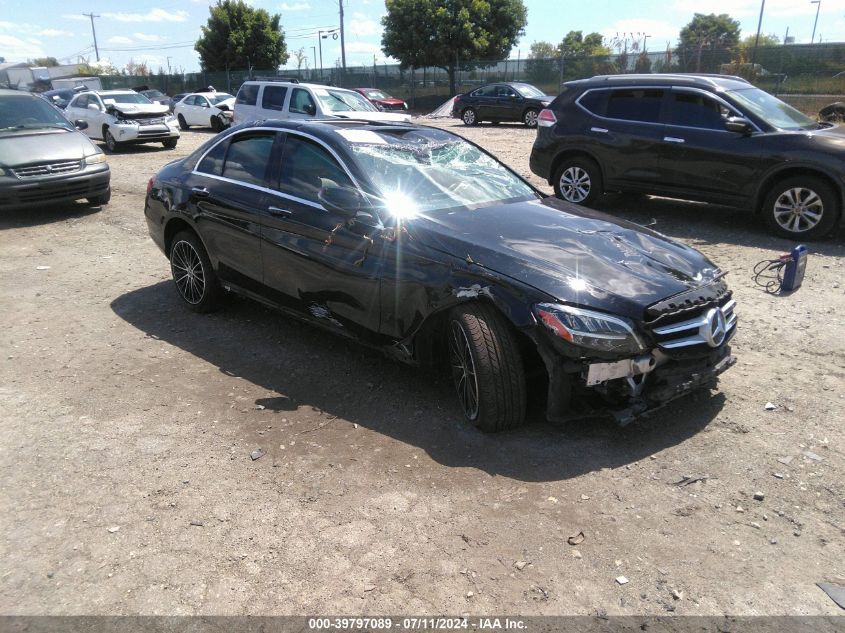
(666, 90)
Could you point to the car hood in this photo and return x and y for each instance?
(385, 117)
(573, 254)
(39, 146)
(226, 104)
(138, 110)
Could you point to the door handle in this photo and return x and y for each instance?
(200, 192)
(673, 139)
(600, 130)
(279, 212)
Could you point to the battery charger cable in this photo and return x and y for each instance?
(769, 273)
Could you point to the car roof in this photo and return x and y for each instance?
(724, 82)
(106, 93)
(269, 82)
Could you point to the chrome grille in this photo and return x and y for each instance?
(48, 170)
(698, 330)
(159, 121)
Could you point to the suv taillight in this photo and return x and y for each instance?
(546, 118)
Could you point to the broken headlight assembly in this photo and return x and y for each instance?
(588, 329)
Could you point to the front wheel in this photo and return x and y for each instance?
(802, 208)
(101, 200)
(195, 279)
(470, 117)
(170, 143)
(182, 122)
(111, 143)
(578, 180)
(530, 118)
(487, 368)
(216, 124)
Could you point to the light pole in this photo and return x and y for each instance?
(757, 39)
(818, 4)
(324, 35)
(314, 50)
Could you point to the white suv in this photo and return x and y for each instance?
(258, 100)
(121, 117)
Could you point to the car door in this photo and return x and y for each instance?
(625, 133)
(201, 111)
(228, 193)
(245, 103)
(314, 261)
(698, 156)
(98, 118)
(77, 110)
(484, 102)
(301, 104)
(508, 104)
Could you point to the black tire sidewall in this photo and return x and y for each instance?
(211, 292)
(592, 169)
(830, 202)
(182, 123)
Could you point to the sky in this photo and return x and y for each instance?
(161, 33)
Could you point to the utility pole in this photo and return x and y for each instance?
(818, 4)
(342, 43)
(94, 31)
(757, 39)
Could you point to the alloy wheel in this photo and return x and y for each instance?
(575, 184)
(463, 370)
(469, 116)
(188, 272)
(798, 210)
(530, 118)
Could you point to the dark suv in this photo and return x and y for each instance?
(711, 138)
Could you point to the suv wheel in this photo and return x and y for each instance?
(486, 367)
(802, 207)
(578, 180)
(530, 118)
(193, 275)
(111, 143)
(470, 117)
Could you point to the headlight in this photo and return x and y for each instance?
(95, 159)
(2, 172)
(594, 330)
(170, 119)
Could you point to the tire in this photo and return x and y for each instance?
(578, 180)
(195, 279)
(802, 208)
(170, 143)
(485, 359)
(99, 201)
(111, 144)
(470, 117)
(183, 123)
(530, 117)
(216, 124)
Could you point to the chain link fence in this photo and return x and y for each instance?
(808, 76)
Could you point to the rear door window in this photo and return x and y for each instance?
(248, 157)
(693, 109)
(635, 104)
(247, 95)
(212, 163)
(594, 101)
(273, 97)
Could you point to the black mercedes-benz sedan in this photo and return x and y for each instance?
(513, 101)
(419, 242)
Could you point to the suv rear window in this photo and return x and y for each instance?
(247, 95)
(635, 104)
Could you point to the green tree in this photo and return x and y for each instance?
(451, 34)
(542, 65)
(238, 36)
(576, 44)
(708, 41)
(43, 61)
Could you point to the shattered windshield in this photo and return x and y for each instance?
(422, 170)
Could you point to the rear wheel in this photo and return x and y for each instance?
(530, 117)
(195, 279)
(470, 117)
(578, 180)
(802, 207)
(182, 122)
(487, 368)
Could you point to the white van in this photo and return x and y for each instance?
(258, 100)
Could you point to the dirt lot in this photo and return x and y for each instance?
(128, 423)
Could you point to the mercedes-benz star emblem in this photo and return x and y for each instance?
(714, 328)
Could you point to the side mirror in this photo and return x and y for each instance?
(94, 107)
(738, 124)
(310, 109)
(343, 201)
(80, 124)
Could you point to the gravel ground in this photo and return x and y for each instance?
(127, 486)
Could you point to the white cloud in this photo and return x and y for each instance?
(363, 26)
(153, 15)
(144, 37)
(75, 16)
(54, 33)
(119, 39)
(296, 6)
(363, 47)
(13, 48)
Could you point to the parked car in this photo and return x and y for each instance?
(156, 96)
(501, 102)
(123, 117)
(381, 100)
(214, 110)
(709, 138)
(44, 159)
(176, 99)
(414, 240)
(59, 98)
(288, 100)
